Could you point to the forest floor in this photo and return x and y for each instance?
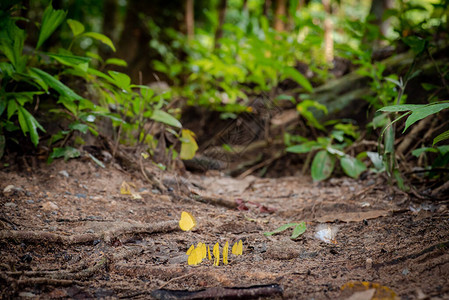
(68, 231)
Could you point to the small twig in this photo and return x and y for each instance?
(176, 278)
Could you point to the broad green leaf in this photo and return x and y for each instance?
(50, 21)
(416, 43)
(423, 112)
(299, 229)
(11, 44)
(57, 85)
(441, 137)
(100, 37)
(298, 77)
(76, 27)
(352, 166)
(419, 151)
(79, 126)
(121, 80)
(163, 117)
(376, 159)
(66, 152)
(322, 165)
(188, 144)
(401, 107)
(280, 229)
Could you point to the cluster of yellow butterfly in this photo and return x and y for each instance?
(196, 255)
(201, 251)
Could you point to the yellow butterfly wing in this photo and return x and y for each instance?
(225, 253)
(187, 221)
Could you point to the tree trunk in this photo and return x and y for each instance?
(221, 17)
(328, 32)
(190, 19)
(279, 15)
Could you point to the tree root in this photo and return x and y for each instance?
(108, 235)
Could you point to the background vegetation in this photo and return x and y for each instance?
(73, 72)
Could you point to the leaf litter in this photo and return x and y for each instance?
(109, 244)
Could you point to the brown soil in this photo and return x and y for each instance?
(66, 231)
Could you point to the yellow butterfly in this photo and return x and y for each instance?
(216, 253)
(237, 248)
(187, 221)
(195, 257)
(225, 253)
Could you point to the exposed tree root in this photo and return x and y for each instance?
(121, 228)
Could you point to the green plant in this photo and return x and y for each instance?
(30, 79)
(326, 150)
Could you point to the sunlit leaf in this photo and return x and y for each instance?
(164, 117)
(76, 27)
(280, 229)
(298, 230)
(100, 37)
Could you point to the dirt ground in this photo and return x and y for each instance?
(67, 231)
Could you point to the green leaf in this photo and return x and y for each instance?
(401, 107)
(117, 62)
(57, 85)
(79, 126)
(352, 166)
(50, 21)
(416, 43)
(76, 27)
(376, 159)
(423, 112)
(419, 151)
(280, 229)
(163, 117)
(303, 148)
(121, 80)
(299, 229)
(100, 37)
(298, 77)
(304, 110)
(66, 152)
(69, 60)
(441, 137)
(322, 165)
(29, 124)
(188, 144)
